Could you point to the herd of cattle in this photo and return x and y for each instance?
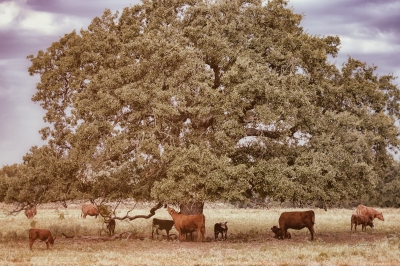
(187, 224)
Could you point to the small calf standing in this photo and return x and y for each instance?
(159, 224)
(40, 234)
(364, 220)
(278, 233)
(110, 226)
(221, 228)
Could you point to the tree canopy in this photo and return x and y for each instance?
(211, 100)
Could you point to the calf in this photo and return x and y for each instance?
(221, 228)
(30, 212)
(364, 220)
(159, 224)
(40, 234)
(278, 233)
(110, 226)
(297, 220)
(187, 223)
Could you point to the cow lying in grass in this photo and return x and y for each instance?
(364, 220)
(221, 228)
(40, 234)
(278, 233)
(188, 223)
(159, 224)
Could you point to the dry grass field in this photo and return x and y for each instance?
(250, 241)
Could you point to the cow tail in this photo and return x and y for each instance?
(313, 218)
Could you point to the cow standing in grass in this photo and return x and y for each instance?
(364, 220)
(42, 235)
(89, 209)
(160, 224)
(221, 228)
(370, 212)
(30, 212)
(297, 220)
(187, 223)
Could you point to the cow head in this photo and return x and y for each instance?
(170, 210)
(380, 216)
(275, 229)
(224, 225)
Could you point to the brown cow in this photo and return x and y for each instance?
(278, 233)
(370, 212)
(40, 234)
(30, 212)
(297, 220)
(364, 220)
(89, 209)
(187, 223)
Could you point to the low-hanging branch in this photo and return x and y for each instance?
(152, 213)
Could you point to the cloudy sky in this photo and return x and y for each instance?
(369, 31)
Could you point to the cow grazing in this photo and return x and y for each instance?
(188, 223)
(364, 220)
(297, 220)
(110, 226)
(42, 235)
(30, 212)
(278, 233)
(221, 228)
(89, 209)
(159, 224)
(370, 212)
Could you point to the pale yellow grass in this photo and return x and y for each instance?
(250, 241)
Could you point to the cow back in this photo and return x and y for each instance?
(297, 220)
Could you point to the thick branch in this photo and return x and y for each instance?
(152, 213)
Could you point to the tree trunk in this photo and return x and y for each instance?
(191, 208)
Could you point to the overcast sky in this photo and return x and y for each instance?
(369, 31)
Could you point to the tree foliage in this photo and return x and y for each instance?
(215, 100)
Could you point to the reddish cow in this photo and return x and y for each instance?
(30, 212)
(278, 233)
(40, 234)
(89, 209)
(188, 223)
(364, 220)
(370, 212)
(297, 220)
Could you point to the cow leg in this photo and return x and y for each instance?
(312, 232)
(167, 234)
(216, 233)
(284, 232)
(47, 244)
(31, 244)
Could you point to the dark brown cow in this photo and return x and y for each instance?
(89, 209)
(278, 233)
(364, 220)
(221, 228)
(160, 224)
(40, 234)
(110, 226)
(370, 212)
(188, 223)
(297, 220)
(30, 212)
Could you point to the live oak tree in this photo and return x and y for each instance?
(209, 100)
